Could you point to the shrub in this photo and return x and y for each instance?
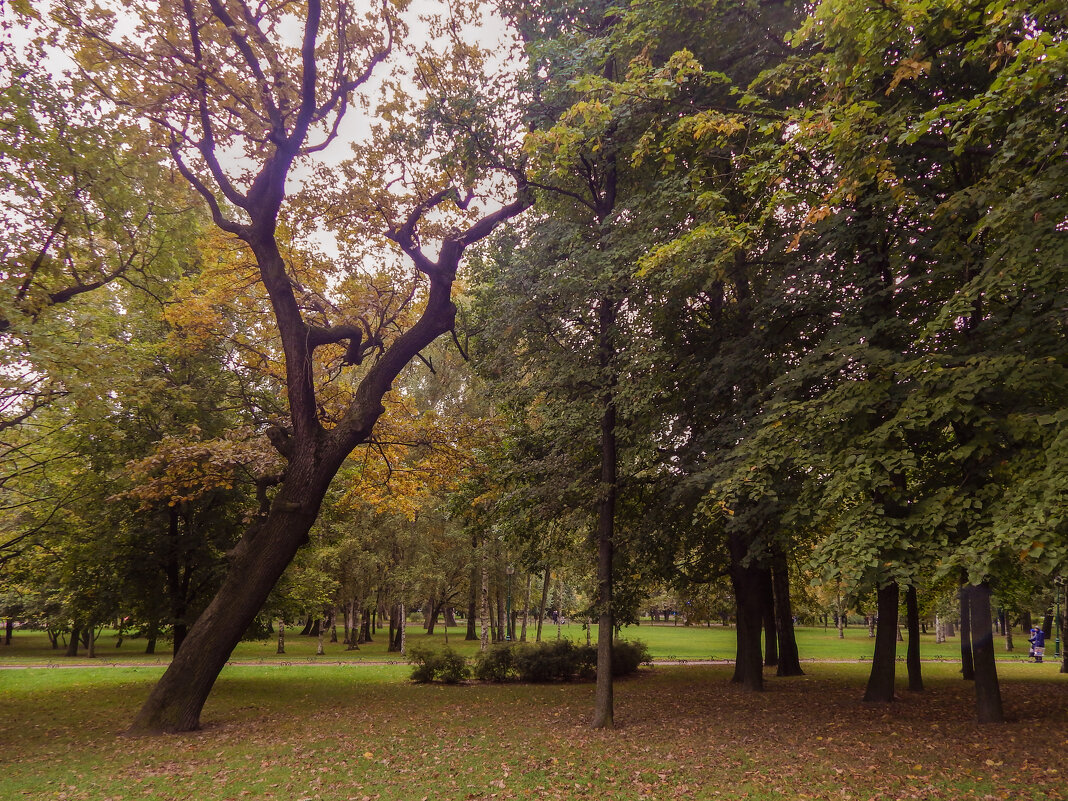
(556, 660)
(445, 665)
(627, 655)
(496, 664)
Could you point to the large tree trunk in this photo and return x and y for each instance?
(987, 690)
(789, 658)
(912, 658)
(255, 565)
(75, 639)
(746, 581)
(881, 681)
(967, 665)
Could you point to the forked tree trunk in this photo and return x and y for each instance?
(912, 658)
(987, 690)
(881, 681)
(789, 658)
(967, 664)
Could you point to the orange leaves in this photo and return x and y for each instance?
(182, 469)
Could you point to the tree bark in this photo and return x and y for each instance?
(544, 601)
(603, 706)
(987, 690)
(967, 664)
(746, 581)
(526, 609)
(75, 639)
(9, 628)
(789, 658)
(881, 681)
(281, 636)
(484, 599)
(912, 658)
(472, 592)
(767, 593)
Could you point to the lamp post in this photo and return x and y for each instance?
(508, 606)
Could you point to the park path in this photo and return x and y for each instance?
(385, 663)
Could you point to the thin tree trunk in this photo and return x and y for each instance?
(9, 628)
(881, 681)
(403, 629)
(967, 664)
(472, 591)
(281, 636)
(544, 601)
(1006, 629)
(526, 609)
(912, 658)
(484, 599)
(322, 631)
(603, 705)
(987, 690)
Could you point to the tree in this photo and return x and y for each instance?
(218, 78)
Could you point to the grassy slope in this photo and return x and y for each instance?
(335, 733)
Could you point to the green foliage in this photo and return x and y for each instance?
(495, 664)
(628, 656)
(446, 665)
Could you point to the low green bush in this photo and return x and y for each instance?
(496, 664)
(628, 655)
(446, 665)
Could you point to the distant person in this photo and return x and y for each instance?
(1038, 643)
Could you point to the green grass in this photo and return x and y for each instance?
(334, 733)
(666, 642)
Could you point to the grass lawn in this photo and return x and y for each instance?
(334, 733)
(666, 642)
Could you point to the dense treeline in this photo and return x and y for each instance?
(775, 321)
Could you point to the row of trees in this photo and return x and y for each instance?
(790, 294)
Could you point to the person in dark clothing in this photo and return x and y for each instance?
(1038, 643)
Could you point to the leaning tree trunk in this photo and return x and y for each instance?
(881, 681)
(987, 690)
(967, 664)
(256, 563)
(912, 658)
(789, 658)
